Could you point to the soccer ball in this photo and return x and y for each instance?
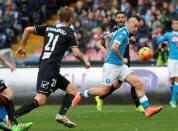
(144, 54)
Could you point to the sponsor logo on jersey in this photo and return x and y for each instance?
(174, 38)
(56, 30)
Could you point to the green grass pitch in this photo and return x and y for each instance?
(112, 118)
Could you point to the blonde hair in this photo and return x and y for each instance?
(65, 14)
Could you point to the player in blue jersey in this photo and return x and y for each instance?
(120, 19)
(115, 69)
(7, 105)
(172, 39)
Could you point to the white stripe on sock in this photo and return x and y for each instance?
(143, 99)
(86, 93)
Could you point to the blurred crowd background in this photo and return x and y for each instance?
(92, 18)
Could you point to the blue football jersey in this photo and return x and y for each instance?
(121, 36)
(172, 39)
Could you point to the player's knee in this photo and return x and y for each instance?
(41, 99)
(104, 91)
(71, 90)
(116, 85)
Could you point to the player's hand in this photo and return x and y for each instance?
(125, 60)
(87, 64)
(154, 36)
(11, 67)
(20, 52)
(132, 40)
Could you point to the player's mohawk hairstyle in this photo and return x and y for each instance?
(137, 17)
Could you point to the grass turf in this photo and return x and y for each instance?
(112, 118)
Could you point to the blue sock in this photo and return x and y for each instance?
(2, 113)
(174, 92)
(144, 102)
(85, 93)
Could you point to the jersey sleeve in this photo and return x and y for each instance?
(162, 38)
(120, 38)
(72, 41)
(40, 29)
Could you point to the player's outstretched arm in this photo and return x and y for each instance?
(158, 39)
(21, 50)
(6, 63)
(76, 52)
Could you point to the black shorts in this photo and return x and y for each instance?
(127, 55)
(2, 86)
(49, 81)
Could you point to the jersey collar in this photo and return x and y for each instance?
(127, 30)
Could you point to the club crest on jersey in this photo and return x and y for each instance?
(120, 36)
(108, 81)
(45, 84)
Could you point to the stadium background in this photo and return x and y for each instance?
(92, 18)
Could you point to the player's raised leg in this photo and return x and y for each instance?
(149, 110)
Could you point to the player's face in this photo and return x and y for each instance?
(120, 19)
(133, 26)
(175, 25)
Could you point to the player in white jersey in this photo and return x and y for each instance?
(172, 39)
(115, 69)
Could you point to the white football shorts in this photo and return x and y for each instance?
(173, 68)
(113, 72)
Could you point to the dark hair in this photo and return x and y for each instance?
(65, 14)
(120, 12)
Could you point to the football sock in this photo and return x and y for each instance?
(2, 113)
(26, 108)
(174, 92)
(110, 92)
(10, 109)
(67, 100)
(85, 93)
(134, 97)
(144, 102)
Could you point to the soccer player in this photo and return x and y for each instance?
(6, 103)
(120, 19)
(115, 68)
(172, 39)
(57, 39)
